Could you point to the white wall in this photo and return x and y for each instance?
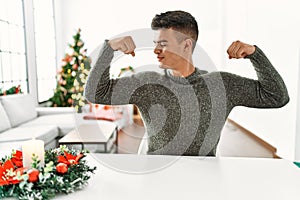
(101, 20)
(272, 25)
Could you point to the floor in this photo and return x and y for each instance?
(233, 143)
(236, 143)
(129, 139)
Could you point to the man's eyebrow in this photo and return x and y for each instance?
(159, 41)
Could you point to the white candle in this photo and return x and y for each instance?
(30, 148)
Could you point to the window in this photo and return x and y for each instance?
(44, 28)
(13, 70)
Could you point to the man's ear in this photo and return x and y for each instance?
(188, 44)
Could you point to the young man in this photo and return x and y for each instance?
(184, 109)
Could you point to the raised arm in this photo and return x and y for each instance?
(100, 88)
(268, 91)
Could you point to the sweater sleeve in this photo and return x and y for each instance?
(101, 89)
(99, 71)
(268, 91)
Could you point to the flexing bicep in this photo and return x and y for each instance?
(242, 91)
(269, 90)
(102, 89)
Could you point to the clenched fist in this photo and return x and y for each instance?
(124, 44)
(239, 49)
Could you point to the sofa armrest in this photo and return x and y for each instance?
(54, 110)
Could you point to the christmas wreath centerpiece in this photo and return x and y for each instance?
(65, 171)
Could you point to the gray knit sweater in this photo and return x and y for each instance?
(185, 116)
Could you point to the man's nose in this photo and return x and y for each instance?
(157, 50)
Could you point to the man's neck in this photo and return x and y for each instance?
(184, 71)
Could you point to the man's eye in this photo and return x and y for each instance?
(163, 44)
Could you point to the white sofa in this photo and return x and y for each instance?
(21, 120)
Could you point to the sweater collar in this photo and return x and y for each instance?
(184, 80)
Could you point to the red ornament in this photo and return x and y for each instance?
(67, 58)
(70, 101)
(75, 67)
(33, 175)
(62, 168)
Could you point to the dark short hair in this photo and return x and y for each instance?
(177, 20)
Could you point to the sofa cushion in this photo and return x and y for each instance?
(45, 133)
(64, 122)
(4, 121)
(19, 108)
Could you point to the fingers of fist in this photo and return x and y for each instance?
(124, 44)
(239, 49)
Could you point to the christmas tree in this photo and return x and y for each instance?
(72, 77)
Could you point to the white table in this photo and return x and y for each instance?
(121, 177)
(100, 132)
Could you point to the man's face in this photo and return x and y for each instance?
(168, 49)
